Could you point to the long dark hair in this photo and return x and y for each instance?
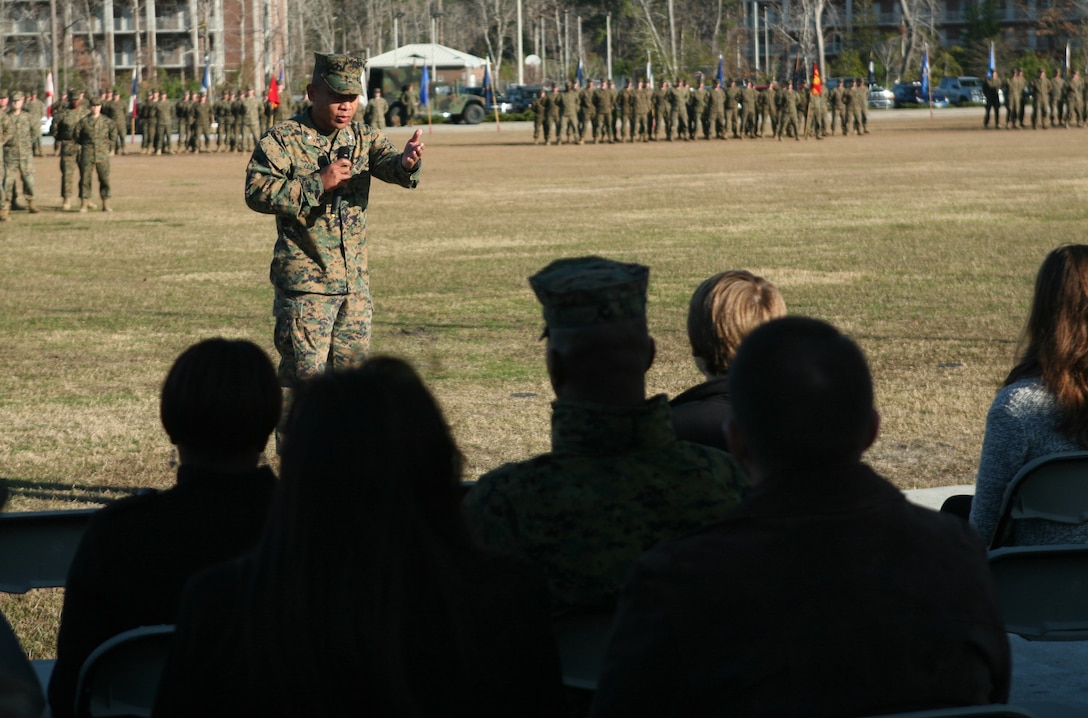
(1055, 341)
(365, 543)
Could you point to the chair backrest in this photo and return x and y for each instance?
(1052, 488)
(996, 711)
(36, 548)
(582, 639)
(121, 677)
(1043, 591)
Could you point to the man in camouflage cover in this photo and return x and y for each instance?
(617, 482)
(95, 134)
(18, 156)
(313, 172)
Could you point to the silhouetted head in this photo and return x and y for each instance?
(802, 398)
(220, 401)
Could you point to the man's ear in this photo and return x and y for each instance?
(874, 430)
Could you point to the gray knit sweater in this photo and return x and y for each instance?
(1022, 426)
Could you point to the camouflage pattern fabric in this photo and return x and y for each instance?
(95, 136)
(18, 157)
(251, 125)
(616, 483)
(320, 249)
(314, 330)
(375, 112)
(64, 132)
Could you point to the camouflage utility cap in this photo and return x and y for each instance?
(343, 73)
(17, 95)
(95, 101)
(589, 291)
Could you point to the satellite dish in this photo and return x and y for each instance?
(532, 60)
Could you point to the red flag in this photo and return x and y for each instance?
(817, 83)
(49, 94)
(274, 92)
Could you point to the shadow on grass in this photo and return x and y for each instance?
(72, 493)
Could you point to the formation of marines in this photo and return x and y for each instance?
(600, 113)
(1058, 100)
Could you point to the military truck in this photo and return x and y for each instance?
(446, 100)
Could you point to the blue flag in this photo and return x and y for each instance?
(488, 98)
(424, 85)
(720, 77)
(925, 74)
(580, 74)
(207, 81)
(993, 65)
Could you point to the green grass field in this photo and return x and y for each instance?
(920, 239)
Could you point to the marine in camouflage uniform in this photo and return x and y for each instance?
(376, 110)
(568, 115)
(36, 109)
(540, 109)
(604, 126)
(319, 268)
(732, 101)
(202, 125)
(64, 134)
(679, 108)
(1040, 100)
(5, 135)
(251, 120)
(553, 117)
(697, 113)
(716, 111)
(617, 481)
(221, 110)
(1074, 100)
(788, 101)
(19, 156)
(95, 135)
(587, 112)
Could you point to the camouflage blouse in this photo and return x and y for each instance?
(320, 245)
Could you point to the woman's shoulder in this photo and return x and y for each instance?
(1025, 397)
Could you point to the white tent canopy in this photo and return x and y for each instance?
(425, 53)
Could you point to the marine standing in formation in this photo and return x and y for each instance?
(18, 156)
(95, 135)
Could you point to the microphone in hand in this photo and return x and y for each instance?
(344, 153)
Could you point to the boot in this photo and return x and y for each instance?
(31, 207)
(84, 205)
(106, 205)
(67, 205)
(4, 214)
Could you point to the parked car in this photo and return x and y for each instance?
(521, 97)
(961, 90)
(880, 98)
(909, 94)
(501, 103)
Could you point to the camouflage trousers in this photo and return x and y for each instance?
(15, 169)
(250, 136)
(91, 162)
(314, 331)
(69, 169)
